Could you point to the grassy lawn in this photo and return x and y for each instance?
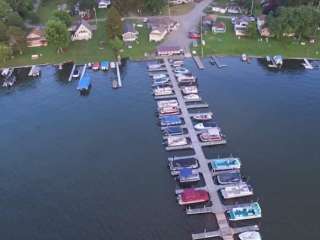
(228, 44)
(179, 9)
(95, 49)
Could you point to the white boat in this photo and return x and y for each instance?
(181, 70)
(205, 125)
(169, 110)
(159, 76)
(189, 90)
(168, 103)
(76, 73)
(278, 60)
(250, 235)
(112, 65)
(186, 78)
(203, 116)
(237, 191)
(244, 57)
(192, 97)
(175, 141)
(5, 72)
(163, 91)
(155, 66)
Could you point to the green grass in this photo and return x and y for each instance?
(47, 9)
(178, 10)
(96, 49)
(228, 44)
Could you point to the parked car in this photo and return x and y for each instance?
(194, 35)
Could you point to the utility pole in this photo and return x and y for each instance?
(252, 4)
(169, 13)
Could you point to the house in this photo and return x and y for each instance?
(234, 10)
(157, 34)
(104, 3)
(262, 26)
(208, 20)
(36, 38)
(130, 34)
(164, 22)
(219, 27)
(81, 30)
(241, 27)
(219, 9)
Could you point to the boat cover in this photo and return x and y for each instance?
(84, 83)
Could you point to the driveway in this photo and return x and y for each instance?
(187, 22)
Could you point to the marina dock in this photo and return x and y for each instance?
(198, 62)
(216, 61)
(71, 73)
(218, 208)
(118, 75)
(197, 105)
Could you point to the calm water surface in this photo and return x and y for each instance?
(93, 167)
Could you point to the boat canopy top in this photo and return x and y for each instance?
(225, 162)
(173, 130)
(192, 195)
(185, 162)
(104, 64)
(84, 83)
(185, 172)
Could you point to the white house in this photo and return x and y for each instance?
(130, 34)
(241, 27)
(104, 3)
(157, 34)
(81, 31)
(219, 9)
(219, 27)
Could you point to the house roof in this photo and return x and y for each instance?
(83, 22)
(128, 27)
(219, 25)
(36, 33)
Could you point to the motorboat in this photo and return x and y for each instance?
(155, 66)
(178, 164)
(76, 73)
(113, 65)
(171, 120)
(250, 235)
(176, 63)
(168, 103)
(172, 131)
(224, 164)
(212, 135)
(160, 81)
(9, 81)
(188, 175)
(189, 90)
(159, 76)
(192, 97)
(96, 66)
(104, 65)
(229, 178)
(192, 196)
(169, 110)
(34, 71)
(176, 141)
(162, 91)
(203, 116)
(278, 60)
(186, 80)
(307, 65)
(251, 211)
(236, 191)
(205, 125)
(181, 70)
(244, 57)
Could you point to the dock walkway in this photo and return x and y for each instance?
(198, 62)
(217, 208)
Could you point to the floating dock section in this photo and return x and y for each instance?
(198, 62)
(71, 73)
(118, 75)
(216, 61)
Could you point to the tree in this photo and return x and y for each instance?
(3, 29)
(87, 4)
(5, 52)
(63, 16)
(14, 19)
(252, 30)
(154, 6)
(5, 9)
(16, 39)
(57, 35)
(116, 45)
(114, 24)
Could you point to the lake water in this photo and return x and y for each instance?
(93, 167)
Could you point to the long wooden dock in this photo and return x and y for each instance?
(217, 62)
(198, 62)
(217, 207)
(71, 73)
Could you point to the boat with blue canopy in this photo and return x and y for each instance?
(84, 83)
(104, 65)
(224, 164)
(251, 211)
(188, 175)
(170, 120)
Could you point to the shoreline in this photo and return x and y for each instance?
(157, 58)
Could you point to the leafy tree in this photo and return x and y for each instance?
(5, 9)
(57, 35)
(87, 4)
(3, 29)
(114, 24)
(14, 19)
(154, 6)
(63, 16)
(5, 52)
(17, 39)
(252, 30)
(116, 45)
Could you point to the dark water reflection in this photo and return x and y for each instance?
(93, 167)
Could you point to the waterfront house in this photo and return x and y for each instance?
(36, 38)
(81, 30)
(130, 34)
(262, 26)
(241, 27)
(219, 9)
(219, 27)
(157, 34)
(234, 10)
(104, 3)
(163, 22)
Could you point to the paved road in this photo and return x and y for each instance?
(187, 22)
